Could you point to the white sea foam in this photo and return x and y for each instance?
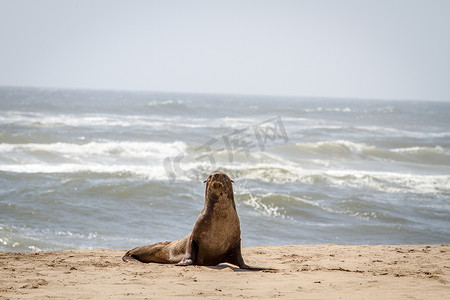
(390, 181)
(109, 148)
(328, 109)
(260, 208)
(337, 146)
(112, 157)
(77, 120)
(115, 120)
(165, 103)
(150, 172)
(349, 150)
(397, 132)
(422, 150)
(308, 124)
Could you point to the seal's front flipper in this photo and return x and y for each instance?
(234, 257)
(191, 254)
(185, 262)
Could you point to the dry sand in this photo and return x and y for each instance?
(303, 272)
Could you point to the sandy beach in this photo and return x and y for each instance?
(302, 272)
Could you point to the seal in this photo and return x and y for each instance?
(215, 238)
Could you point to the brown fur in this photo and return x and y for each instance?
(216, 236)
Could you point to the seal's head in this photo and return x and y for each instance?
(219, 185)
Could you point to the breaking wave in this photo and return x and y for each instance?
(350, 150)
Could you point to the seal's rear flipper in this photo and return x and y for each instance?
(127, 258)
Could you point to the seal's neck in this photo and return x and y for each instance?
(219, 202)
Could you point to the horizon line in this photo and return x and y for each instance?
(219, 93)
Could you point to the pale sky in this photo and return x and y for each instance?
(395, 49)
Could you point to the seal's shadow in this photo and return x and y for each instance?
(237, 269)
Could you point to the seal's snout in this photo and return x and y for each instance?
(217, 185)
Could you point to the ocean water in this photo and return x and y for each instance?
(103, 169)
